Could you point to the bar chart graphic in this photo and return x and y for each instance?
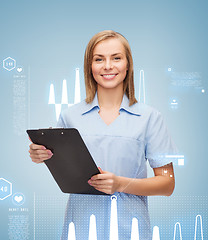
(64, 98)
(114, 228)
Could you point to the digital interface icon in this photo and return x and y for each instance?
(5, 189)
(18, 199)
(19, 69)
(9, 64)
(174, 104)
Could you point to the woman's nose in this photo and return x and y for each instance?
(108, 64)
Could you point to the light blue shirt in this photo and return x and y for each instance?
(123, 147)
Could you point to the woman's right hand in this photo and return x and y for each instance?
(39, 153)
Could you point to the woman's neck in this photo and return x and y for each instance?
(110, 98)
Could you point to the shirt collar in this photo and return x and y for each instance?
(133, 109)
(89, 106)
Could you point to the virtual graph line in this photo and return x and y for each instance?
(134, 229)
(64, 96)
(71, 232)
(64, 99)
(156, 233)
(175, 228)
(77, 95)
(34, 217)
(141, 86)
(114, 219)
(114, 230)
(195, 232)
(92, 228)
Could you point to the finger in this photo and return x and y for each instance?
(47, 152)
(108, 182)
(36, 161)
(36, 147)
(101, 176)
(37, 158)
(101, 171)
(39, 153)
(107, 191)
(40, 156)
(103, 189)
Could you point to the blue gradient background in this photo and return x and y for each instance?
(48, 39)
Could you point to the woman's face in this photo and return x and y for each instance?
(109, 63)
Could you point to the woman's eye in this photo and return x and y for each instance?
(98, 59)
(117, 58)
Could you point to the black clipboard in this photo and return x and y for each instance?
(71, 164)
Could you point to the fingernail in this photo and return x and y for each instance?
(43, 148)
(89, 182)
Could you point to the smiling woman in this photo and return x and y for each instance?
(121, 134)
(109, 71)
(109, 67)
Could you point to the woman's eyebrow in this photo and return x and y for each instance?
(100, 55)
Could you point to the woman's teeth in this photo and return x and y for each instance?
(109, 76)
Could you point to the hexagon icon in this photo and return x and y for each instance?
(5, 189)
(9, 63)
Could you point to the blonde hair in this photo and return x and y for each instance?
(90, 83)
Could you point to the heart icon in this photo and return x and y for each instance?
(19, 69)
(18, 199)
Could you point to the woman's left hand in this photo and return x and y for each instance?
(106, 182)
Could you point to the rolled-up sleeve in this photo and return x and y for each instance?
(158, 142)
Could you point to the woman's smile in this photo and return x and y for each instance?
(109, 76)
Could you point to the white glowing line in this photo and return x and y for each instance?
(77, 96)
(156, 233)
(64, 93)
(92, 228)
(51, 95)
(113, 219)
(58, 110)
(174, 103)
(71, 232)
(141, 82)
(179, 231)
(181, 161)
(64, 100)
(134, 229)
(174, 156)
(196, 227)
(34, 217)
